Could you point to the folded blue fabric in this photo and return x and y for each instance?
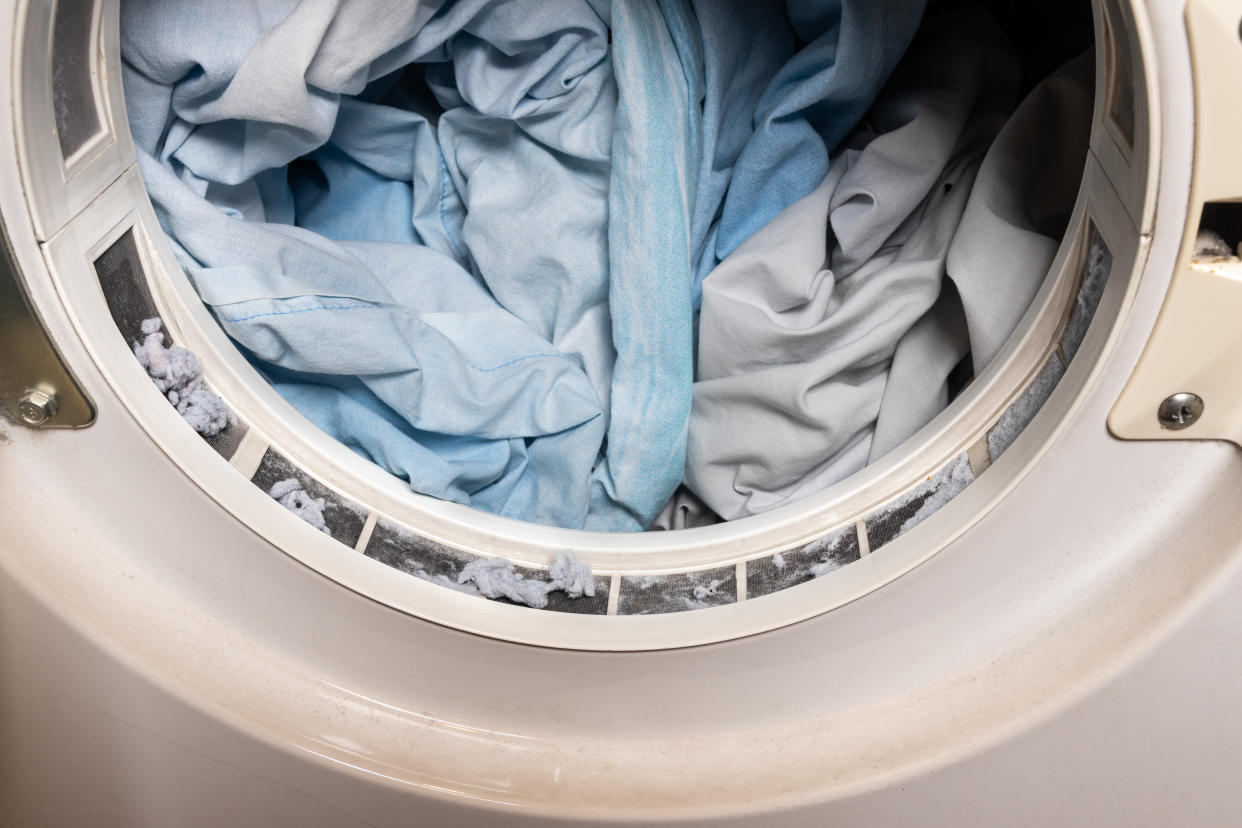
(466, 237)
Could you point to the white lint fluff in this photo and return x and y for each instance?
(1212, 245)
(496, 578)
(948, 486)
(826, 548)
(290, 494)
(178, 374)
(571, 576)
(707, 590)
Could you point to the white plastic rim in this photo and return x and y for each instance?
(1113, 168)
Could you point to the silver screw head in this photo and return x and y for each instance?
(1180, 411)
(37, 407)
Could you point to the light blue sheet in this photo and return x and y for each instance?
(466, 238)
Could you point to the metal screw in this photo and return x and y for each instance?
(1180, 411)
(37, 407)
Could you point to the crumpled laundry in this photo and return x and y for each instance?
(178, 374)
(466, 237)
(496, 578)
(1019, 210)
(820, 352)
(814, 101)
(683, 511)
(290, 494)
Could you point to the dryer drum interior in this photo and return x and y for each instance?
(116, 270)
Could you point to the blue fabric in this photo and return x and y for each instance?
(467, 237)
(812, 104)
(657, 140)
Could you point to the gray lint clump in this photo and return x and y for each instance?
(178, 375)
(571, 576)
(290, 494)
(496, 578)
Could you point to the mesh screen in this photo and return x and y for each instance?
(129, 301)
(400, 548)
(421, 557)
(1019, 415)
(124, 284)
(73, 55)
(650, 594)
(343, 517)
(226, 442)
(806, 563)
(1095, 274)
(585, 605)
(895, 519)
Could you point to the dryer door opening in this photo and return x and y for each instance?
(943, 470)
